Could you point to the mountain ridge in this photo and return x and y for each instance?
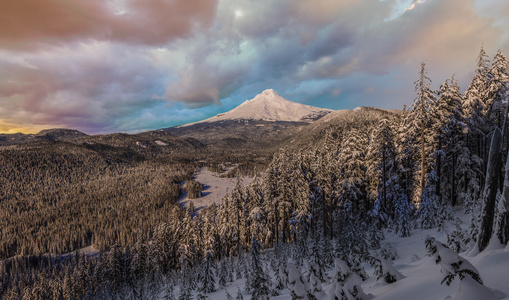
(270, 106)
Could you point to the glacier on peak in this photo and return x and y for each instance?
(270, 106)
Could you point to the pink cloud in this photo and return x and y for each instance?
(28, 24)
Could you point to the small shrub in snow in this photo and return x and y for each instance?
(227, 295)
(451, 263)
(458, 240)
(345, 283)
(239, 295)
(383, 269)
(315, 284)
(387, 251)
(297, 283)
(281, 278)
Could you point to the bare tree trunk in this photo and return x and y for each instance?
(384, 179)
(503, 218)
(453, 180)
(423, 160)
(439, 171)
(502, 229)
(490, 190)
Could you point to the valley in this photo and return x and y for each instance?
(305, 204)
(254, 150)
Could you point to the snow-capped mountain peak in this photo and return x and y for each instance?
(270, 106)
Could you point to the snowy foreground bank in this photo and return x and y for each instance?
(419, 277)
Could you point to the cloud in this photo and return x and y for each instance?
(85, 86)
(130, 64)
(29, 24)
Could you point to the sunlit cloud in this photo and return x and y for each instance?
(414, 4)
(130, 65)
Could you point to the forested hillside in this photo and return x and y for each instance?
(318, 209)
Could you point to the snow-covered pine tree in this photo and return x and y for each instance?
(476, 96)
(226, 227)
(258, 281)
(374, 236)
(300, 251)
(236, 212)
(164, 248)
(477, 107)
(382, 172)
(429, 207)
(402, 216)
(351, 244)
(207, 281)
(325, 185)
(291, 184)
(316, 261)
(222, 273)
(352, 198)
(315, 163)
(421, 119)
(271, 203)
(185, 284)
(301, 205)
(255, 213)
(315, 284)
(280, 272)
(448, 125)
(115, 268)
(499, 89)
(139, 267)
(406, 147)
(168, 289)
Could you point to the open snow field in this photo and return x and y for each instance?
(214, 188)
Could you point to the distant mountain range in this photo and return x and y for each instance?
(265, 123)
(55, 134)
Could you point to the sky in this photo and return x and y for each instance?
(103, 66)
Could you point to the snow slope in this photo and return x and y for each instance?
(422, 276)
(269, 106)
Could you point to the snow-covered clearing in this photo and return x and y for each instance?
(214, 188)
